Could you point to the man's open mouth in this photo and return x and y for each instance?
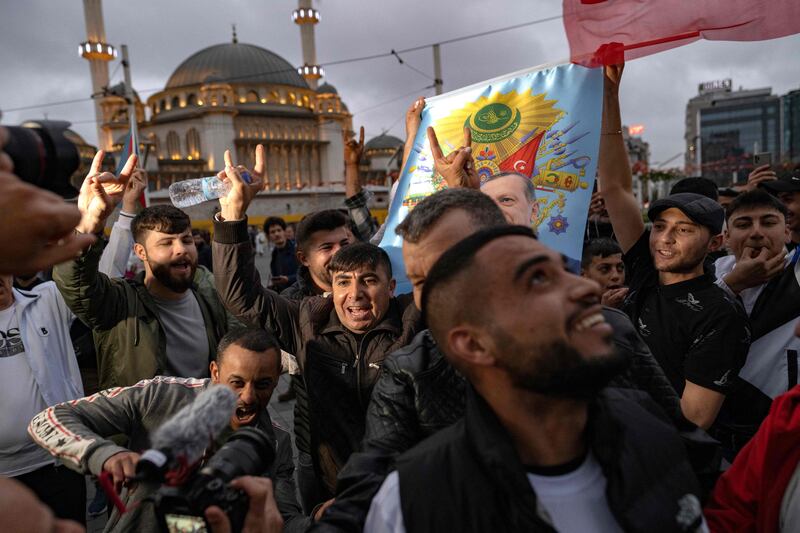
(244, 413)
(359, 312)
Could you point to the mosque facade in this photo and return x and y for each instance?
(234, 96)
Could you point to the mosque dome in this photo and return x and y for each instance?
(383, 142)
(327, 88)
(235, 62)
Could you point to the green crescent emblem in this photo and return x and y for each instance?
(493, 123)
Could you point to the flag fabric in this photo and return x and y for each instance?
(644, 27)
(130, 141)
(543, 123)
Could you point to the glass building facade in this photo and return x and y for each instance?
(732, 130)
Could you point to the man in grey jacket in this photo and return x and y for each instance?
(78, 433)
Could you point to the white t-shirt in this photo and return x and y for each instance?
(576, 502)
(20, 401)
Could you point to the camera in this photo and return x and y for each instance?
(44, 155)
(249, 451)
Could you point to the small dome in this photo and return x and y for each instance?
(235, 63)
(327, 88)
(383, 142)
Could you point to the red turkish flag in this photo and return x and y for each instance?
(599, 31)
(523, 160)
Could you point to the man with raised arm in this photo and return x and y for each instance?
(169, 319)
(696, 331)
(340, 341)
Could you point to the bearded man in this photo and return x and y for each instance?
(544, 445)
(168, 320)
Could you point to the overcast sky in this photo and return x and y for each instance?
(39, 41)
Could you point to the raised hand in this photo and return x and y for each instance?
(760, 175)
(414, 118)
(457, 168)
(133, 191)
(101, 192)
(234, 205)
(353, 151)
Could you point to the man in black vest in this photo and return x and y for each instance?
(542, 446)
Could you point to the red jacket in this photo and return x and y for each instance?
(748, 496)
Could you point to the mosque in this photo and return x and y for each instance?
(234, 96)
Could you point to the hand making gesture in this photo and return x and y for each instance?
(101, 192)
(458, 168)
(234, 205)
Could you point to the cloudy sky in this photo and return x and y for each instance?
(39, 38)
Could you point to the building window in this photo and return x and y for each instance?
(191, 100)
(193, 143)
(176, 102)
(252, 97)
(173, 145)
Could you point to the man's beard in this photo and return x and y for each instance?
(176, 284)
(558, 369)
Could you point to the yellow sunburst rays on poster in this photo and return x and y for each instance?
(500, 121)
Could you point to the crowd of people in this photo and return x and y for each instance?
(655, 389)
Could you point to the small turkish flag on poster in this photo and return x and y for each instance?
(608, 31)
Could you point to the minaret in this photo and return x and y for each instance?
(306, 17)
(98, 53)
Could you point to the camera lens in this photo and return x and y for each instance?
(249, 451)
(43, 156)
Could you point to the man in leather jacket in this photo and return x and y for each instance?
(418, 392)
(543, 445)
(340, 341)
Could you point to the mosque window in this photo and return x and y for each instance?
(176, 102)
(191, 100)
(306, 101)
(224, 99)
(292, 98)
(156, 144)
(173, 145)
(193, 143)
(252, 97)
(163, 105)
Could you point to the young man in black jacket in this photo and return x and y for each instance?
(419, 388)
(339, 341)
(543, 446)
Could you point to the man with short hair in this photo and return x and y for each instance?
(602, 262)
(79, 433)
(696, 331)
(788, 191)
(166, 321)
(283, 264)
(758, 275)
(542, 445)
(340, 342)
(419, 392)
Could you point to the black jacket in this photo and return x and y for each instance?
(339, 368)
(419, 393)
(304, 287)
(469, 477)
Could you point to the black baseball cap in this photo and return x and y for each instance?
(786, 184)
(699, 208)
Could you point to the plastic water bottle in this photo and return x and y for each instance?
(196, 191)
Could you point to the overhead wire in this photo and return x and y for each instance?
(327, 64)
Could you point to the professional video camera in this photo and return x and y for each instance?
(181, 508)
(45, 155)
